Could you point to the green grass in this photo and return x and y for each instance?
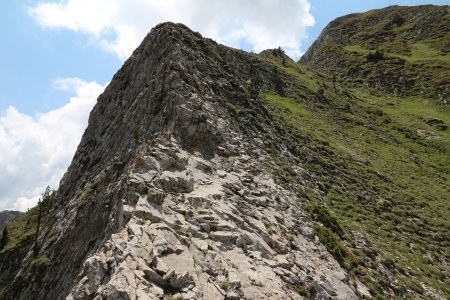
(404, 212)
(296, 109)
(418, 52)
(225, 285)
(21, 229)
(334, 246)
(38, 266)
(233, 108)
(422, 51)
(299, 73)
(357, 48)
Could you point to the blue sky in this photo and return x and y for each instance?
(57, 56)
(31, 56)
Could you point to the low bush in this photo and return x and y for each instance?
(334, 245)
(375, 56)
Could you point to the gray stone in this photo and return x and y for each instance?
(232, 295)
(234, 280)
(177, 183)
(163, 218)
(225, 237)
(156, 197)
(205, 227)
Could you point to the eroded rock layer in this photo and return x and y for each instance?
(209, 229)
(171, 194)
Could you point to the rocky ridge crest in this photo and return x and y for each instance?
(170, 193)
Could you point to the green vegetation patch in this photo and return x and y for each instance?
(38, 266)
(21, 229)
(321, 214)
(296, 109)
(417, 52)
(384, 163)
(334, 246)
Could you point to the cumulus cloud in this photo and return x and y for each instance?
(35, 150)
(120, 25)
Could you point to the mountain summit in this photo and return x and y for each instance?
(210, 173)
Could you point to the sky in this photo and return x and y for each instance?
(57, 56)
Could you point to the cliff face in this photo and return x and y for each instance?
(210, 173)
(414, 43)
(196, 205)
(169, 193)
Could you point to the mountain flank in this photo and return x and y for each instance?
(400, 50)
(6, 216)
(210, 173)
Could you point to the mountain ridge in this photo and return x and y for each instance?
(404, 35)
(235, 165)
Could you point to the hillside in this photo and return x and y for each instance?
(414, 43)
(6, 216)
(210, 173)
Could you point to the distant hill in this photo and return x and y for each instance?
(6, 216)
(413, 51)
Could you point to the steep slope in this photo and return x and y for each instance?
(170, 191)
(210, 173)
(382, 165)
(413, 46)
(6, 216)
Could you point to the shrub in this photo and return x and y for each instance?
(398, 20)
(320, 91)
(137, 136)
(233, 108)
(225, 285)
(36, 270)
(375, 56)
(306, 291)
(38, 266)
(333, 244)
(321, 214)
(5, 238)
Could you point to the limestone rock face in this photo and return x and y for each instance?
(169, 194)
(213, 240)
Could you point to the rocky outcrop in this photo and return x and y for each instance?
(171, 194)
(210, 229)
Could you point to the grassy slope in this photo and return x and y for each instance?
(21, 232)
(418, 52)
(21, 238)
(398, 203)
(416, 43)
(398, 29)
(21, 229)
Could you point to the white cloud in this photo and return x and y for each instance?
(35, 151)
(120, 25)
